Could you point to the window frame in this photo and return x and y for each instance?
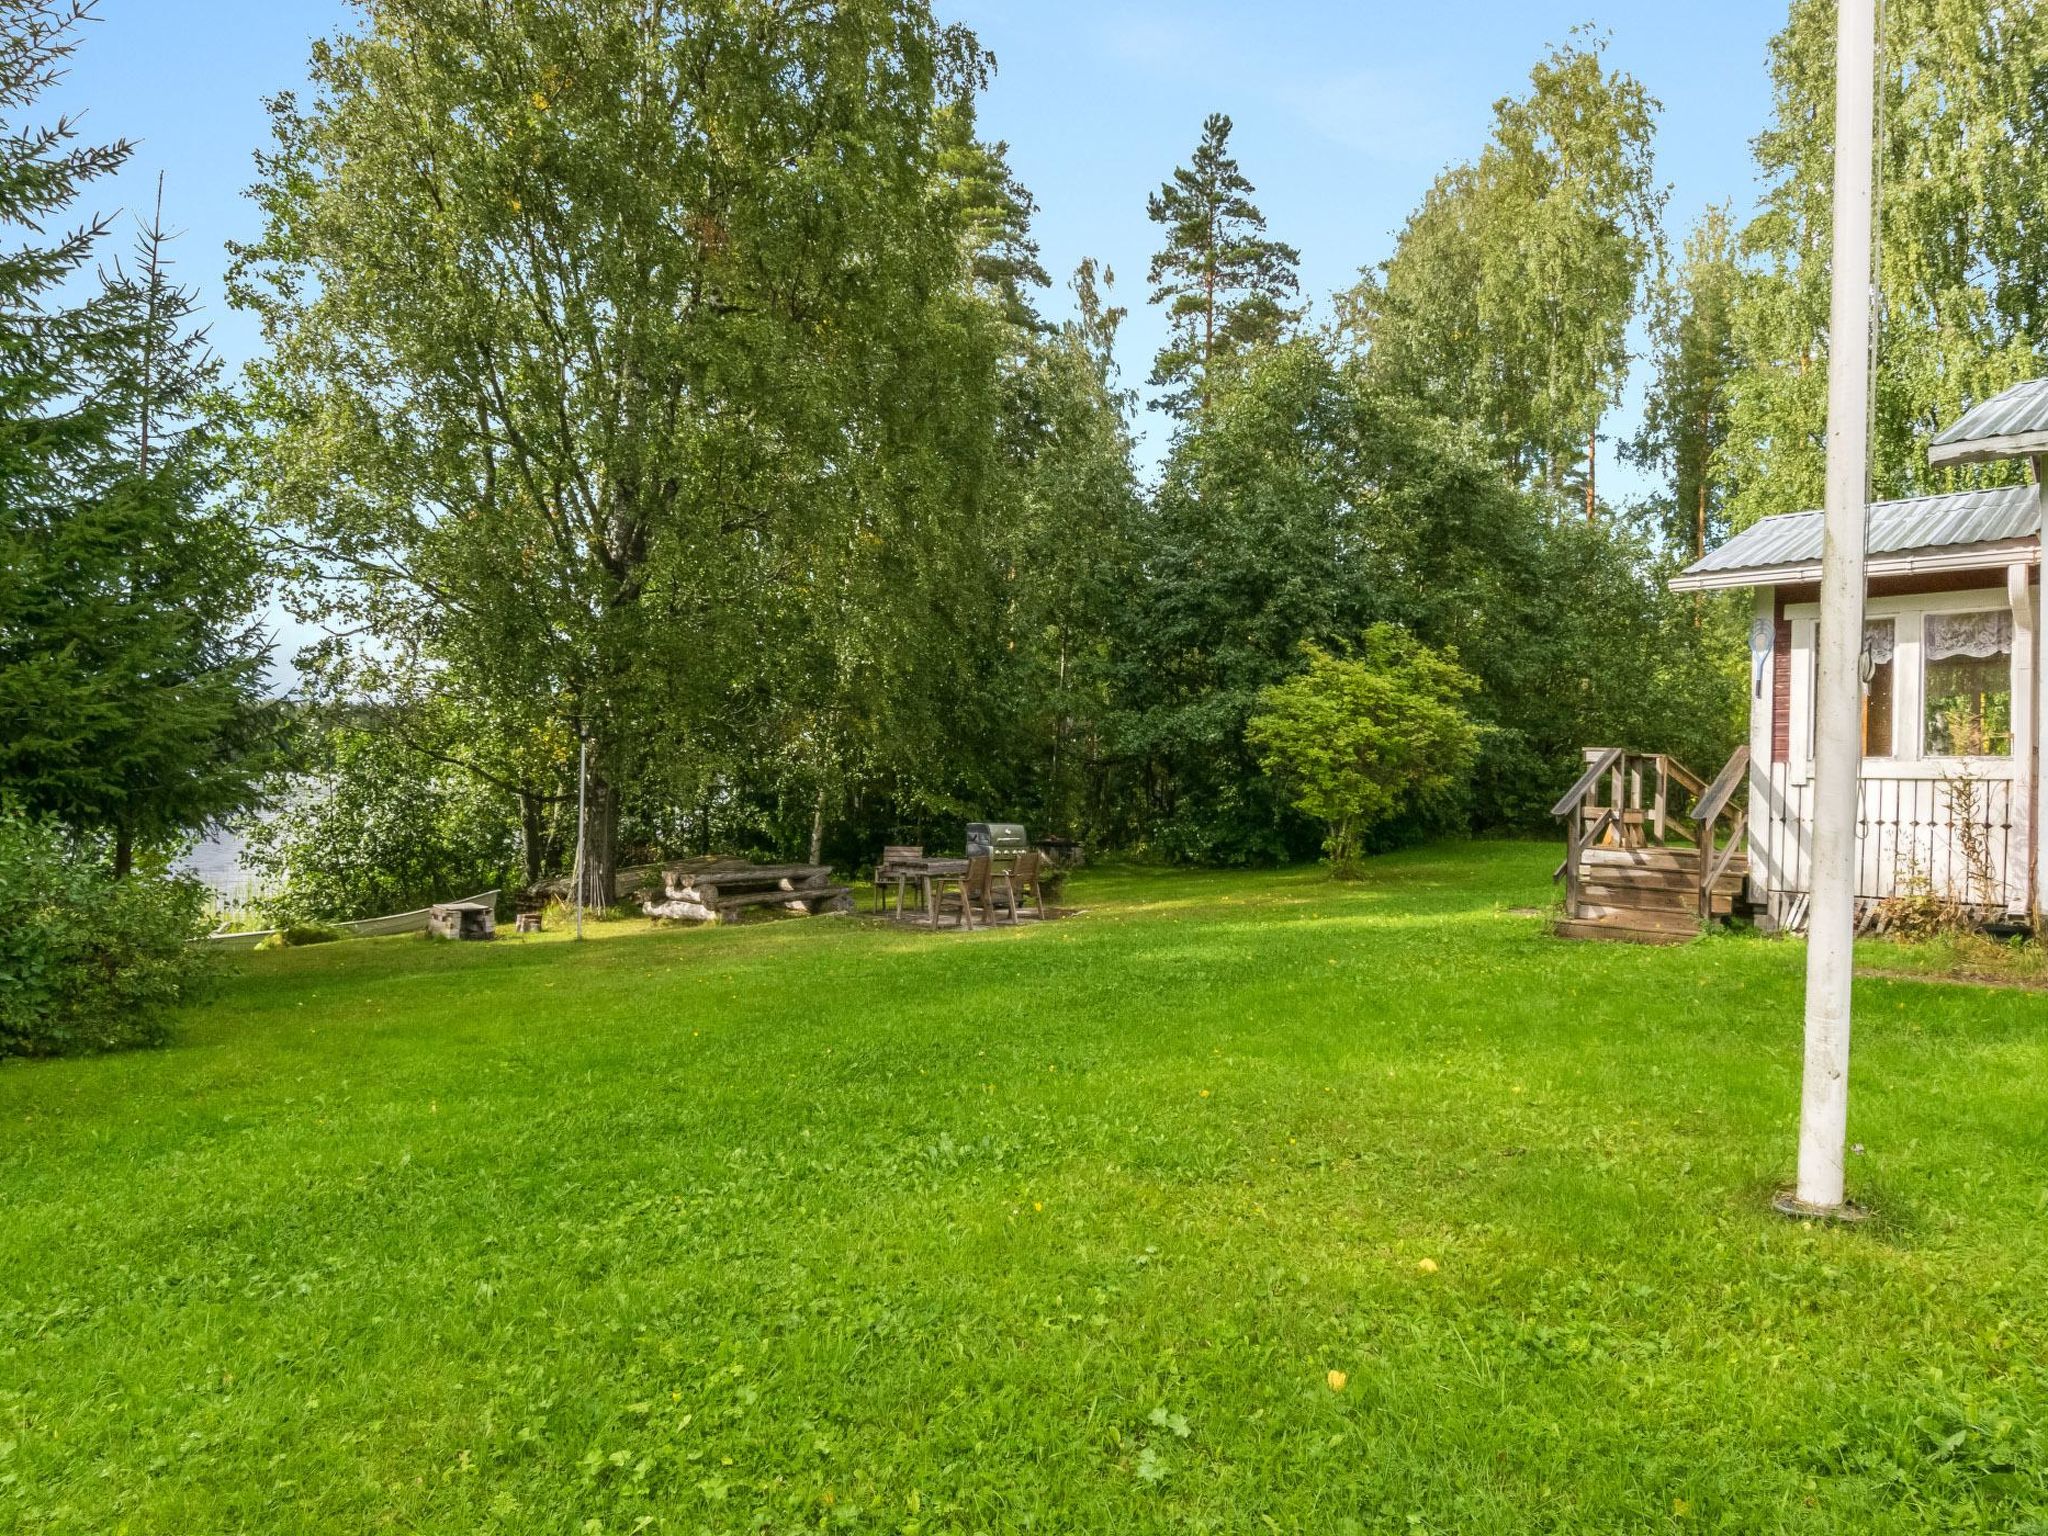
(1910, 758)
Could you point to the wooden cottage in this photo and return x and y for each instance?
(1955, 692)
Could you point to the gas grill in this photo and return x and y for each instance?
(1004, 839)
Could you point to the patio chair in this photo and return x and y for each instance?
(959, 892)
(1020, 879)
(890, 867)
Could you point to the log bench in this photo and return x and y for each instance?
(718, 893)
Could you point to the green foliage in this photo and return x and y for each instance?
(1963, 274)
(131, 675)
(634, 359)
(1508, 301)
(1226, 286)
(1358, 740)
(1685, 417)
(376, 827)
(88, 961)
(1317, 504)
(559, 1203)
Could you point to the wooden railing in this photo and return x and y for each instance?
(1625, 800)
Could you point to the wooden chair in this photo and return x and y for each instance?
(889, 867)
(961, 888)
(1021, 877)
(979, 886)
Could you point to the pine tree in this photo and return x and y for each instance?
(1226, 286)
(130, 675)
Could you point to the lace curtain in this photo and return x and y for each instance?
(1879, 638)
(1982, 635)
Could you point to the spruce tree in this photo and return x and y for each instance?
(1227, 287)
(130, 673)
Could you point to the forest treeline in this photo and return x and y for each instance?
(679, 396)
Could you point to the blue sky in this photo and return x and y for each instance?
(1344, 112)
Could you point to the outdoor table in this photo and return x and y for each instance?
(927, 871)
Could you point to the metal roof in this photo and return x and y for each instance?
(1960, 529)
(2013, 425)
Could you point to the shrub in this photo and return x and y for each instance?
(377, 828)
(88, 962)
(1360, 740)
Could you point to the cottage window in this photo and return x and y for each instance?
(1967, 673)
(1880, 637)
(1880, 642)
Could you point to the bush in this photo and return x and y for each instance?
(1361, 740)
(376, 829)
(87, 962)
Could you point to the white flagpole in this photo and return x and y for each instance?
(1838, 744)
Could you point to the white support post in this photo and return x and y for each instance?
(2020, 852)
(1838, 747)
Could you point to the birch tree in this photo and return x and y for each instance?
(1508, 300)
(598, 327)
(1962, 270)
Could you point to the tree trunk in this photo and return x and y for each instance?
(124, 853)
(600, 843)
(1592, 447)
(533, 835)
(818, 825)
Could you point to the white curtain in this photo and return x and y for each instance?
(1982, 635)
(1879, 638)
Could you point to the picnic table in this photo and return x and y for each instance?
(719, 891)
(931, 877)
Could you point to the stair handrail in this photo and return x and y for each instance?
(1596, 770)
(1715, 800)
(1714, 861)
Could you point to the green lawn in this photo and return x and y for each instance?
(810, 1225)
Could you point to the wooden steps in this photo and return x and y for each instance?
(1634, 855)
(1647, 895)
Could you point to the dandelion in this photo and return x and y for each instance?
(1426, 1266)
(1337, 1380)
(1205, 1093)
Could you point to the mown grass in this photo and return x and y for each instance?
(821, 1225)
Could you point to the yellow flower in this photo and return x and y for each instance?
(540, 102)
(1426, 1266)
(1038, 1205)
(1205, 1093)
(1337, 1380)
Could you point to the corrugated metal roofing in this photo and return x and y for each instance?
(2007, 426)
(1896, 527)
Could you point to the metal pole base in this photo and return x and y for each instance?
(1848, 1213)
